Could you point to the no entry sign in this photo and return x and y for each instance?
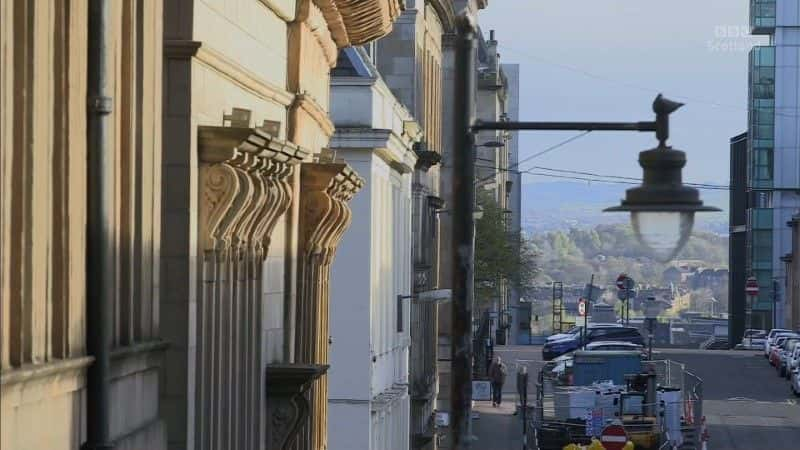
(751, 287)
(625, 282)
(614, 437)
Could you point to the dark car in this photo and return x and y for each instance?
(571, 342)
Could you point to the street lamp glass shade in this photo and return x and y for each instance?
(663, 233)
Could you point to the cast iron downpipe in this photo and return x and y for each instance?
(463, 249)
(99, 257)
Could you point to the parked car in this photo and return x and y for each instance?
(752, 340)
(596, 332)
(576, 331)
(610, 346)
(775, 353)
(771, 345)
(773, 333)
(795, 381)
(794, 361)
(715, 343)
(784, 353)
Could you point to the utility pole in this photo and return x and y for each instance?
(586, 311)
(463, 250)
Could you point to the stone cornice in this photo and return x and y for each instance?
(386, 399)
(285, 15)
(447, 15)
(323, 32)
(38, 371)
(137, 358)
(356, 22)
(390, 147)
(229, 69)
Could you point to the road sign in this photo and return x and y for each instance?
(481, 390)
(581, 307)
(625, 282)
(614, 437)
(751, 287)
(621, 280)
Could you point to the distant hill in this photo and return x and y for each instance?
(561, 205)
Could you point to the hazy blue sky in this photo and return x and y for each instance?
(605, 60)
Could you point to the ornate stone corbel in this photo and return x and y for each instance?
(326, 190)
(287, 406)
(243, 181)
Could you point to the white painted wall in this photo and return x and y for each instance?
(369, 357)
(373, 265)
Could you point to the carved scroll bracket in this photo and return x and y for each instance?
(244, 186)
(326, 214)
(287, 406)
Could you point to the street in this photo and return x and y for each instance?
(747, 406)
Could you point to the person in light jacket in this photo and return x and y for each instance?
(497, 376)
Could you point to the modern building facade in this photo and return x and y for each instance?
(738, 309)
(773, 177)
(45, 348)
(369, 401)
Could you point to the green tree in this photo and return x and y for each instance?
(501, 256)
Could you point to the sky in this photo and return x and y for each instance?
(606, 60)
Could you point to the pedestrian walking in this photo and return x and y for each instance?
(497, 376)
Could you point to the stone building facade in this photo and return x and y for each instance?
(43, 217)
(254, 214)
(791, 315)
(223, 237)
(492, 165)
(375, 134)
(411, 61)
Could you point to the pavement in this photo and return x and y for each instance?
(747, 406)
(499, 428)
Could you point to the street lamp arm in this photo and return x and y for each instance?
(663, 107)
(566, 126)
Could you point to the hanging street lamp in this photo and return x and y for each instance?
(662, 208)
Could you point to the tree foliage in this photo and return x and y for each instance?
(607, 250)
(502, 256)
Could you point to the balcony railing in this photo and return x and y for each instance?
(762, 16)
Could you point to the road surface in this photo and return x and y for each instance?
(747, 406)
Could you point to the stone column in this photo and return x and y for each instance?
(244, 190)
(326, 189)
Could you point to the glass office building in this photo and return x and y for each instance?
(773, 153)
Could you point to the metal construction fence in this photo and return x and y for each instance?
(546, 430)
